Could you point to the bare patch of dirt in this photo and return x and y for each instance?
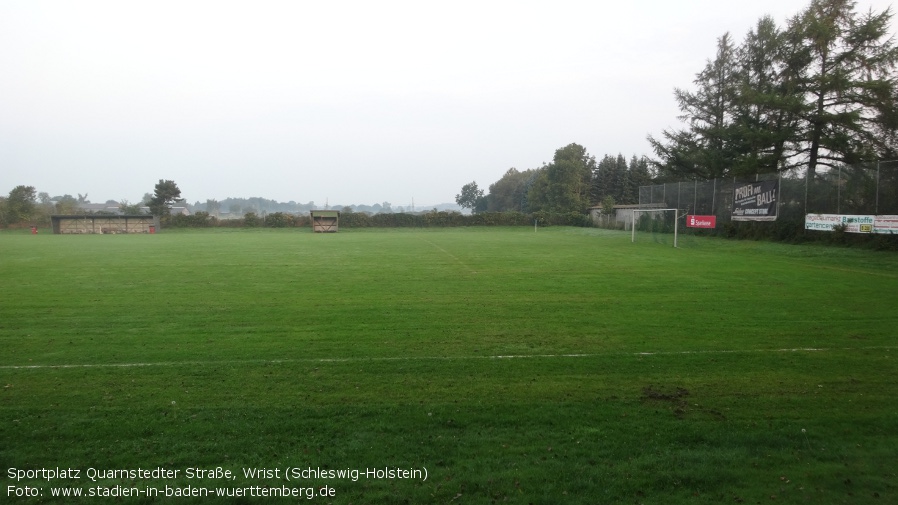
(651, 393)
(675, 399)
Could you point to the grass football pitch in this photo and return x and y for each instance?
(474, 365)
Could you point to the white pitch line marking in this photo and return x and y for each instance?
(454, 257)
(434, 358)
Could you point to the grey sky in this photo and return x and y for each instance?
(353, 102)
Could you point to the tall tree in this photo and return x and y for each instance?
(128, 208)
(677, 155)
(46, 208)
(710, 110)
(767, 101)
(564, 185)
(165, 195)
(508, 193)
(706, 148)
(849, 85)
(66, 205)
(470, 196)
(640, 174)
(537, 191)
(819, 93)
(623, 186)
(613, 177)
(213, 207)
(603, 179)
(20, 204)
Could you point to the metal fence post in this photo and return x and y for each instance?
(678, 195)
(806, 171)
(839, 192)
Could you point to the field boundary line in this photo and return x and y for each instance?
(853, 271)
(454, 257)
(439, 358)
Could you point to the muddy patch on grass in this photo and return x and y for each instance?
(676, 400)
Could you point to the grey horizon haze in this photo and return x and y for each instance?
(350, 102)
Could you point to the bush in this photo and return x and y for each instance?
(251, 220)
(432, 219)
(198, 220)
(279, 220)
(443, 219)
(356, 220)
(395, 220)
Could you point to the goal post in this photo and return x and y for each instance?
(639, 212)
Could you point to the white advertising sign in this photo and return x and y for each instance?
(852, 223)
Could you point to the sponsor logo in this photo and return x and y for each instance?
(701, 221)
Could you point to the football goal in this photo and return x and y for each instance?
(655, 221)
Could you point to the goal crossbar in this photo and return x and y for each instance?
(633, 223)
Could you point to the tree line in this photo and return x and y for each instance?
(818, 92)
(236, 207)
(815, 93)
(25, 205)
(572, 183)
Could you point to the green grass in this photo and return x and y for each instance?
(562, 366)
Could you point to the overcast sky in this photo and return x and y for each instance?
(345, 102)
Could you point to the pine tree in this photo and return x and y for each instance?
(165, 195)
(767, 102)
(820, 93)
(706, 148)
(639, 175)
(849, 86)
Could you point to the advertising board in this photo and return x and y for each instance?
(755, 201)
(701, 221)
(885, 224)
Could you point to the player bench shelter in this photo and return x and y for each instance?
(104, 224)
(325, 221)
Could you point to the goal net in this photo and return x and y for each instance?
(656, 223)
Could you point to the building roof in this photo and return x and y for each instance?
(101, 216)
(176, 209)
(100, 207)
(635, 206)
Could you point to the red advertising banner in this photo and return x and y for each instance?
(701, 221)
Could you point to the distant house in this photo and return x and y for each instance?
(108, 208)
(105, 208)
(177, 209)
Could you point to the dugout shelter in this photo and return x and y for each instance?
(325, 221)
(104, 224)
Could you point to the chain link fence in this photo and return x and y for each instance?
(870, 189)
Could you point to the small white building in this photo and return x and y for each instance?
(622, 217)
